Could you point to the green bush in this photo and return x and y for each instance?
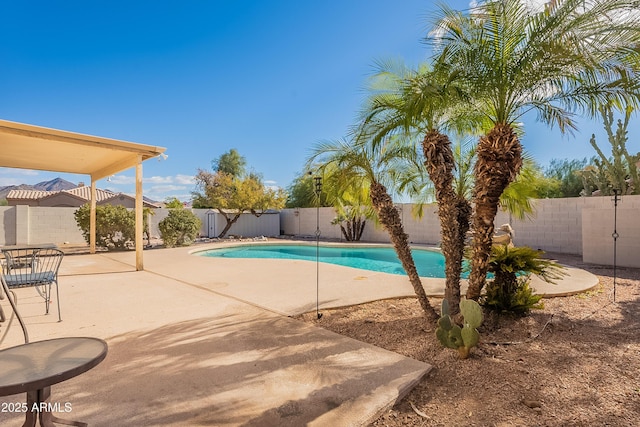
(115, 225)
(520, 299)
(512, 268)
(180, 228)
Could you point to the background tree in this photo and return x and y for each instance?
(232, 196)
(173, 203)
(565, 173)
(301, 194)
(529, 184)
(349, 198)
(147, 213)
(352, 220)
(570, 56)
(231, 163)
(620, 171)
(351, 203)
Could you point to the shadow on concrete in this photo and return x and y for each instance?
(234, 370)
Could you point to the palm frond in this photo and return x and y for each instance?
(518, 58)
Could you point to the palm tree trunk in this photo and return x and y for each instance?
(454, 219)
(390, 220)
(498, 162)
(464, 219)
(344, 232)
(361, 229)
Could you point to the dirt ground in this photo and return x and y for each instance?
(574, 363)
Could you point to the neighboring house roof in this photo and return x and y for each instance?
(28, 194)
(83, 194)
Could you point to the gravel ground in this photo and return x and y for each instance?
(576, 362)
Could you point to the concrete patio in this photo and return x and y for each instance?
(207, 342)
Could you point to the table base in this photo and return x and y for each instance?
(47, 419)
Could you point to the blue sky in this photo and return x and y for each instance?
(268, 78)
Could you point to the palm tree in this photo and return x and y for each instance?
(414, 106)
(359, 162)
(516, 198)
(568, 58)
(351, 203)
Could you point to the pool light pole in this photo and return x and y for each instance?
(317, 189)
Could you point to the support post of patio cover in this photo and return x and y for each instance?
(92, 218)
(139, 216)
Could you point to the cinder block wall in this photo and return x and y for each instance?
(8, 234)
(302, 222)
(51, 225)
(203, 215)
(556, 226)
(571, 226)
(597, 230)
(581, 226)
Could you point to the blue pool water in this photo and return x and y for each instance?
(383, 259)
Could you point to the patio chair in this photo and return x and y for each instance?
(13, 300)
(2, 318)
(37, 268)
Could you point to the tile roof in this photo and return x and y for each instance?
(29, 194)
(83, 193)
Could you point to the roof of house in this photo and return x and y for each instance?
(28, 194)
(82, 193)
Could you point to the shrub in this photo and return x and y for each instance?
(180, 228)
(512, 268)
(520, 299)
(115, 225)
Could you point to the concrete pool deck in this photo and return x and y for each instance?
(288, 287)
(200, 341)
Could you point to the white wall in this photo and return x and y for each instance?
(247, 225)
(57, 225)
(576, 226)
(580, 225)
(302, 222)
(597, 231)
(33, 225)
(8, 215)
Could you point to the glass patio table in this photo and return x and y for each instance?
(34, 367)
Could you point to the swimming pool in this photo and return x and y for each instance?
(383, 259)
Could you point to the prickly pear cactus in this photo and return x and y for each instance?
(451, 335)
(471, 312)
(444, 310)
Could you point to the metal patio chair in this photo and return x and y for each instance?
(37, 268)
(13, 301)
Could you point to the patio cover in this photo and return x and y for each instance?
(26, 146)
